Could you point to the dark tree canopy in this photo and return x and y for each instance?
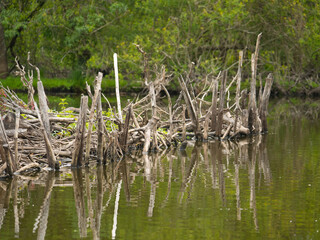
(67, 36)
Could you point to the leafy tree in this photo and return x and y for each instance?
(79, 37)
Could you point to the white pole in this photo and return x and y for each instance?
(115, 60)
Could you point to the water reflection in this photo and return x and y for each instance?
(152, 183)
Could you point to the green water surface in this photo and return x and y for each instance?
(264, 188)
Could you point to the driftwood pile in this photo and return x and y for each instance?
(33, 137)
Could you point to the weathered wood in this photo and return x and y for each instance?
(100, 123)
(5, 152)
(170, 113)
(44, 109)
(153, 99)
(252, 109)
(224, 137)
(184, 128)
(80, 133)
(221, 103)
(239, 76)
(135, 121)
(147, 134)
(15, 137)
(145, 64)
(238, 96)
(225, 122)
(3, 167)
(50, 153)
(124, 135)
(97, 89)
(54, 120)
(263, 108)
(190, 107)
(27, 83)
(214, 105)
(27, 167)
(206, 128)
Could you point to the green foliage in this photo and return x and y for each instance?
(110, 125)
(63, 103)
(75, 39)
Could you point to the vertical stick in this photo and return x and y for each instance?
(115, 60)
(100, 130)
(153, 99)
(239, 80)
(16, 137)
(97, 89)
(205, 128)
(50, 154)
(124, 135)
(147, 133)
(145, 118)
(221, 103)
(260, 90)
(214, 105)
(184, 123)
(263, 109)
(238, 108)
(170, 112)
(5, 152)
(44, 108)
(190, 107)
(154, 114)
(81, 130)
(252, 116)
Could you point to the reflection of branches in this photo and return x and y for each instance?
(125, 177)
(99, 200)
(153, 181)
(236, 177)
(252, 151)
(42, 218)
(214, 150)
(5, 193)
(15, 207)
(221, 176)
(89, 204)
(237, 184)
(192, 168)
(79, 198)
(264, 160)
(169, 179)
(115, 214)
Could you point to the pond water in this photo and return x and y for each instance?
(264, 188)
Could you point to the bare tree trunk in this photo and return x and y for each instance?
(3, 55)
(5, 152)
(97, 89)
(263, 109)
(80, 134)
(252, 117)
(221, 103)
